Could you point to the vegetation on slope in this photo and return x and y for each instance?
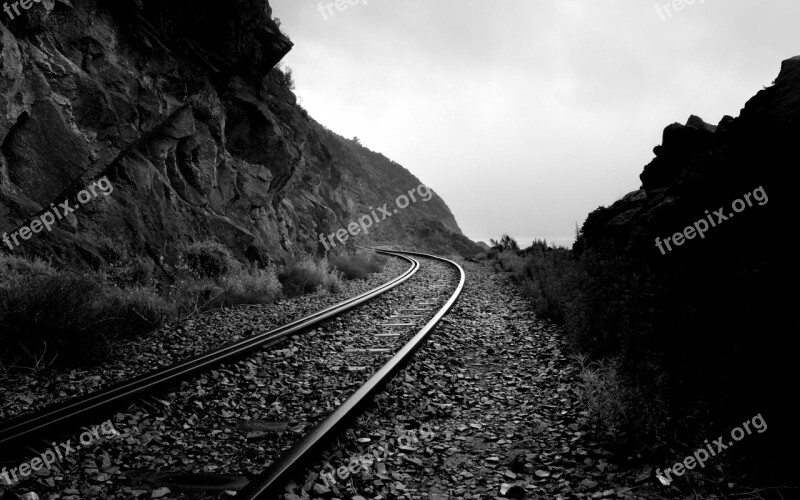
(673, 355)
(56, 316)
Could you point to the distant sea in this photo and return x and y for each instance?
(525, 241)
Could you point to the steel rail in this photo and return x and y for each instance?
(269, 483)
(27, 428)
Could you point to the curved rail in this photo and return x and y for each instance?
(268, 484)
(27, 428)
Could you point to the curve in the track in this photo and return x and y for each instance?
(270, 482)
(26, 429)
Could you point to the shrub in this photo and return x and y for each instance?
(135, 273)
(131, 312)
(308, 277)
(192, 296)
(603, 394)
(72, 316)
(16, 268)
(260, 286)
(298, 280)
(505, 244)
(331, 281)
(551, 276)
(50, 316)
(42, 316)
(625, 412)
(599, 303)
(285, 76)
(209, 259)
(358, 266)
(511, 262)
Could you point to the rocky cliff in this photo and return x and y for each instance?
(702, 167)
(715, 315)
(178, 104)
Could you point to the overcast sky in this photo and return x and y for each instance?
(525, 115)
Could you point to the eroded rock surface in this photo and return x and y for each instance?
(178, 104)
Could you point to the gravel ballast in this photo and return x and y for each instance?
(488, 408)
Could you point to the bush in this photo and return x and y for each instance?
(132, 312)
(358, 266)
(48, 316)
(511, 262)
(332, 281)
(285, 76)
(209, 259)
(16, 268)
(135, 273)
(623, 411)
(505, 244)
(603, 395)
(255, 287)
(607, 310)
(309, 277)
(192, 296)
(70, 315)
(551, 276)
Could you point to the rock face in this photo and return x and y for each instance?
(178, 104)
(701, 167)
(717, 314)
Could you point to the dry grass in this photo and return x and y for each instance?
(309, 276)
(358, 266)
(48, 315)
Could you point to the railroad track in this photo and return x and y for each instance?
(28, 429)
(269, 483)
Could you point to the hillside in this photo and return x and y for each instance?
(177, 104)
(707, 321)
(678, 299)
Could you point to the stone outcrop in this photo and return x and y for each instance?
(702, 167)
(177, 102)
(717, 315)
